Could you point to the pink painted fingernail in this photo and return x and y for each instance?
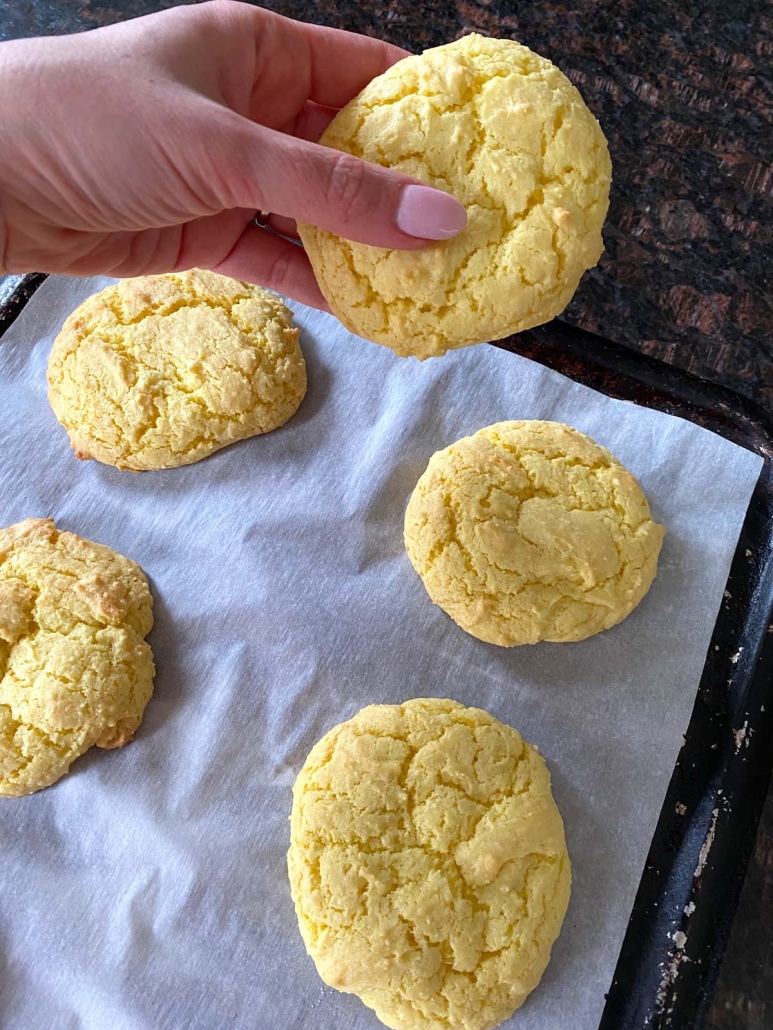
(429, 214)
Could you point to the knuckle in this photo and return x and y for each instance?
(218, 8)
(217, 14)
(346, 190)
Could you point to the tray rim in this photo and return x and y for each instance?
(673, 984)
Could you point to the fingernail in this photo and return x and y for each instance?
(429, 214)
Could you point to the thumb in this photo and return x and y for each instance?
(338, 192)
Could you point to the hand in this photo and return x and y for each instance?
(149, 146)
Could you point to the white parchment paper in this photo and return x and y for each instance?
(147, 890)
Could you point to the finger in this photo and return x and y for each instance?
(338, 64)
(284, 226)
(259, 257)
(343, 63)
(270, 171)
(310, 122)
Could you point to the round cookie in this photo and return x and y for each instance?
(530, 531)
(505, 132)
(162, 370)
(428, 864)
(74, 668)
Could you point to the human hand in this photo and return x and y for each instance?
(149, 146)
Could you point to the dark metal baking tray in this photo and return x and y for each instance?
(689, 891)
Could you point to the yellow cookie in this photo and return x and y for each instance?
(428, 864)
(74, 668)
(505, 132)
(530, 531)
(160, 371)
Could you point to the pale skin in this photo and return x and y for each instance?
(149, 147)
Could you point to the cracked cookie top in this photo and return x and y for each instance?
(74, 668)
(530, 531)
(160, 371)
(504, 131)
(428, 864)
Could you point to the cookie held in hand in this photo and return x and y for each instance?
(505, 132)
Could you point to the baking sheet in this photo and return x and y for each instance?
(148, 888)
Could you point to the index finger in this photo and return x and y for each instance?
(339, 64)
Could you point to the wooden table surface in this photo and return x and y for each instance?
(684, 94)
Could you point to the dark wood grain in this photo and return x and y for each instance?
(684, 94)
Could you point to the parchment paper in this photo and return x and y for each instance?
(147, 890)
